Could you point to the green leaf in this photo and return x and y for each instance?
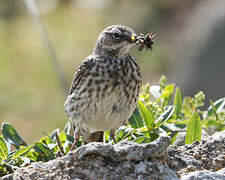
(46, 140)
(124, 132)
(62, 137)
(8, 168)
(178, 102)
(174, 137)
(165, 116)
(52, 135)
(153, 136)
(33, 155)
(211, 122)
(182, 122)
(70, 138)
(12, 136)
(106, 136)
(120, 133)
(44, 151)
(67, 128)
(135, 120)
(194, 129)
(3, 149)
(219, 105)
(145, 114)
(168, 91)
(22, 152)
(142, 139)
(166, 95)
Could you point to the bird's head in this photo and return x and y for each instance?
(115, 39)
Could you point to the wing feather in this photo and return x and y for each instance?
(79, 74)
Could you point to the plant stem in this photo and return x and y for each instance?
(59, 144)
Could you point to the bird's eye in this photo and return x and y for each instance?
(116, 35)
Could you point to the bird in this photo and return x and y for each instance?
(105, 87)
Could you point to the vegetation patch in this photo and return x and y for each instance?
(161, 110)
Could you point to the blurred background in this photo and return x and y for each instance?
(189, 50)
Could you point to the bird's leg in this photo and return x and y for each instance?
(75, 142)
(112, 134)
(76, 136)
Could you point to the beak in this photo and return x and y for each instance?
(134, 38)
(131, 38)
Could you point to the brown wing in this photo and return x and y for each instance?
(85, 66)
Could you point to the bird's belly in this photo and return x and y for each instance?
(108, 113)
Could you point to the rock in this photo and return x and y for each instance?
(209, 154)
(206, 175)
(126, 150)
(125, 160)
(129, 161)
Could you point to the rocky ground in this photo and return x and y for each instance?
(205, 155)
(128, 160)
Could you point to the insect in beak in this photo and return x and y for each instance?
(145, 41)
